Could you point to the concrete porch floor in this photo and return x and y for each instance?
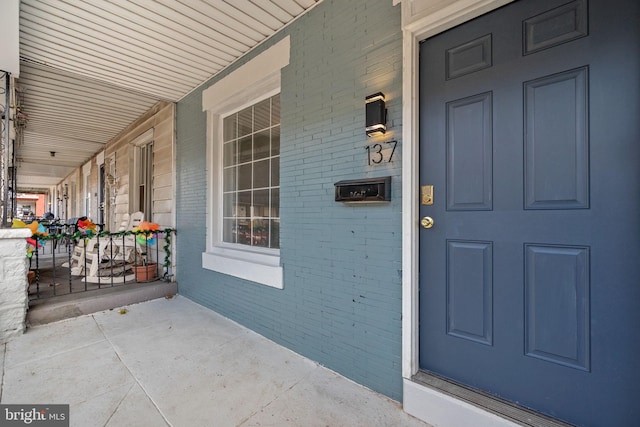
(172, 362)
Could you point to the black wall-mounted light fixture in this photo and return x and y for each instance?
(376, 115)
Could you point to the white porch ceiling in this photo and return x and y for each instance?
(91, 67)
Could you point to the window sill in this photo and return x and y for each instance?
(257, 267)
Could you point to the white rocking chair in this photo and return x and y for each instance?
(127, 250)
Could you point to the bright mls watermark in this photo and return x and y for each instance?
(34, 415)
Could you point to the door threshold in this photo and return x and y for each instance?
(514, 413)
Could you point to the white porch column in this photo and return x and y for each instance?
(14, 297)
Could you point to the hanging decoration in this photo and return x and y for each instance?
(146, 233)
(38, 234)
(86, 227)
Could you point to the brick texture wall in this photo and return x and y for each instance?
(341, 302)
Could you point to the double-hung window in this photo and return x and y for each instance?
(243, 179)
(251, 175)
(141, 180)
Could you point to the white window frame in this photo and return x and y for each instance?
(254, 81)
(86, 173)
(141, 142)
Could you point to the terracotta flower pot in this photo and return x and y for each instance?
(145, 273)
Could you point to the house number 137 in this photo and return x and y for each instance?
(378, 153)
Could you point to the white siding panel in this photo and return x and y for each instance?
(162, 193)
(163, 219)
(259, 14)
(162, 206)
(221, 23)
(163, 180)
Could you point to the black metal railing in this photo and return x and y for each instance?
(66, 260)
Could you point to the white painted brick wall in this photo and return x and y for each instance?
(14, 298)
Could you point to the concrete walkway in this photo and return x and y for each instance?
(174, 362)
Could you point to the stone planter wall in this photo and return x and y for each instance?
(14, 298)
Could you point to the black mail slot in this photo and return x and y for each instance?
(365, 190)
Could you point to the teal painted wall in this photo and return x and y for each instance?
(341, 302)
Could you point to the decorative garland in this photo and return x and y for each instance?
(88, 234)
(167, 247)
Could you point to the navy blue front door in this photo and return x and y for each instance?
(530, 274)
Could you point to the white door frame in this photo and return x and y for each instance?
(422, 19)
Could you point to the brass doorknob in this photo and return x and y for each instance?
(426, 222)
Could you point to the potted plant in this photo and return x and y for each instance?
(145, 272)
(146, 236)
